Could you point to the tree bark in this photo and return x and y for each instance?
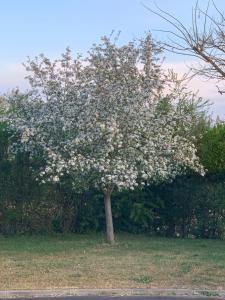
(108, 218)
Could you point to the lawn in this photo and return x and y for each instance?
(86, 261)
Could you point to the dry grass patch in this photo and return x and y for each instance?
(85, 261)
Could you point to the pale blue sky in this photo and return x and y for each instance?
(30, 27)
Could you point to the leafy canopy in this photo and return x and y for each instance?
(110, 119)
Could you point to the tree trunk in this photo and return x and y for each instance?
(108, 218)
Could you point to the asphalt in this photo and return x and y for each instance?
(120, 298)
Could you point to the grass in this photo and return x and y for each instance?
(86, 261)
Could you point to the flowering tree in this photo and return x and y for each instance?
(104, 120)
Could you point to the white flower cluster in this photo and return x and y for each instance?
(103, 117)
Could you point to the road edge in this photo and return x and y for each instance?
(110, 292)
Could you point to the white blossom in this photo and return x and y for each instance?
(105, 118)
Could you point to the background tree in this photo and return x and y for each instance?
(105, 120)
(211, 149)
(205, 40)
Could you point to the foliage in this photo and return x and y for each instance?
(106, 120)
(88, 127)
(101, 118)
(212, 148)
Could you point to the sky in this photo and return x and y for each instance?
(31, 27)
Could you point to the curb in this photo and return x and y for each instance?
(111, 292)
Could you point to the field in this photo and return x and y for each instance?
(86, 261)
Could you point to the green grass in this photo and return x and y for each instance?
(86, 261)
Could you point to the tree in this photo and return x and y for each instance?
(212, 149)
(104, 120)
(205, 39)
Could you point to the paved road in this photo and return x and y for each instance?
(121, 298)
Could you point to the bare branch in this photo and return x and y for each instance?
(204, 40)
